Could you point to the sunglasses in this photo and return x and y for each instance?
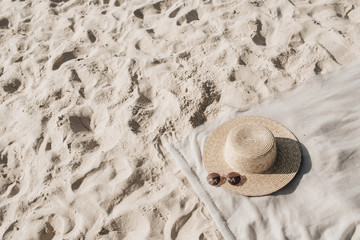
(234, 178)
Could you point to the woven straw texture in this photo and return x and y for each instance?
(286, 165)
(250, 148)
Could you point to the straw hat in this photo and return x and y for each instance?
(266, 153)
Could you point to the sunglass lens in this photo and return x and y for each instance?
(213, 179)
(234, 178)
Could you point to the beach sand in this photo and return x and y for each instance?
(88, 89)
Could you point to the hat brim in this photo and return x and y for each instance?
(287, 162)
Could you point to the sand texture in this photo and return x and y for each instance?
(89, 88)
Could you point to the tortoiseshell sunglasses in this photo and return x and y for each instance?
(234, 178)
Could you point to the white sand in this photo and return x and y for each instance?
(89, 87)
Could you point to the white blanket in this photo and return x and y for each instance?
(323, 200)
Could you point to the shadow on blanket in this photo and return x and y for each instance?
(305, 167)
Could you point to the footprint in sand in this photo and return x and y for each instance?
(209, 95)
(174, 13)
(91, 36)
(188, 17)
(129, 223)
(66, 56)
(48, 232)
(74, 76)
(139, 13)
(283, 59)
(296, 40)
(4, 23)
(258, 39)
(12, 85)
(80, 123)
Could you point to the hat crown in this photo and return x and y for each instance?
(250, 148)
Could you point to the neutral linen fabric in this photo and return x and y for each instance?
(323, 200)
